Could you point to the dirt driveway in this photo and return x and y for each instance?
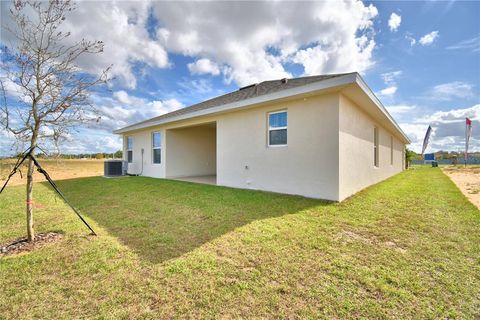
(467, 179)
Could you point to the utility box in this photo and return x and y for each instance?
(429, 158)
(114, 168)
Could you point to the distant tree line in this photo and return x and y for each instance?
(454, 156)
(441, 155)
(100, 155)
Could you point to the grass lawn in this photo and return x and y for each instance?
(406, 248)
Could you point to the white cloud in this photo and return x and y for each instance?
(14, 90)
(390, 80)
(121, 26)
(472, 44)
(426, 40)
(7, 145)
(453, 115)
(91, 141)
(388, 91)
(198, 86)
(79, 141)
(123, 97)
(245, 42)
(120, 110)
(254, 40)
(204, 66)
(394, 22)
(429, 38)
(411, 39)
(320, 59)
(124, 109)
(448, 129)
(450, 90)
(161, 107)
(155, 107)
(400, 109)
(391, 77)
(112, 143)
(415, 132)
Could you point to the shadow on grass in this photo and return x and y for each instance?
(163, 219)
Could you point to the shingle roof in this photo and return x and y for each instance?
(244, 93)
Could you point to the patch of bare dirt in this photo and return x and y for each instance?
(370, 240)
(467, 180)
(22, 245)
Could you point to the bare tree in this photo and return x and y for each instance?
(39, 68)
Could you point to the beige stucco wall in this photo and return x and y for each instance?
(329, 153)
(308, 166)
(356, 165)
(191, 151)
(143, 139)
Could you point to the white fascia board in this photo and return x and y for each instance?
(312, 87)
(366, 89)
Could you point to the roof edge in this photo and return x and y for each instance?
(345, 79)
(364, 86)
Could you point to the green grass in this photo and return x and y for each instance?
(406, 248)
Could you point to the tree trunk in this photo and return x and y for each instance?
(30, 232)
(31, 167)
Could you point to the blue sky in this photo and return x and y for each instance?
(422, 59)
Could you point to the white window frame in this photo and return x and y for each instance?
(376, 153)
(275, 129)
(156, 148)
(131, 147)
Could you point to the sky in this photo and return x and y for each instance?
(422, 59)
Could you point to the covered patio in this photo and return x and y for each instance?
(192, 153)
(208, 179)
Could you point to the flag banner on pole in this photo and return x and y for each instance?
(468, 133)
(425, 140)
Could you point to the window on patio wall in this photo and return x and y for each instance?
(156, 147)
(129, 149)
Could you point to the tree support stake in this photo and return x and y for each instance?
(28, 154)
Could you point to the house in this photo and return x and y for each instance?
(322, 136)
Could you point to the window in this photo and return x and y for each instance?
(391, 150)
(375, 147)
(277, 128)
(129, 149)
(156, 147)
